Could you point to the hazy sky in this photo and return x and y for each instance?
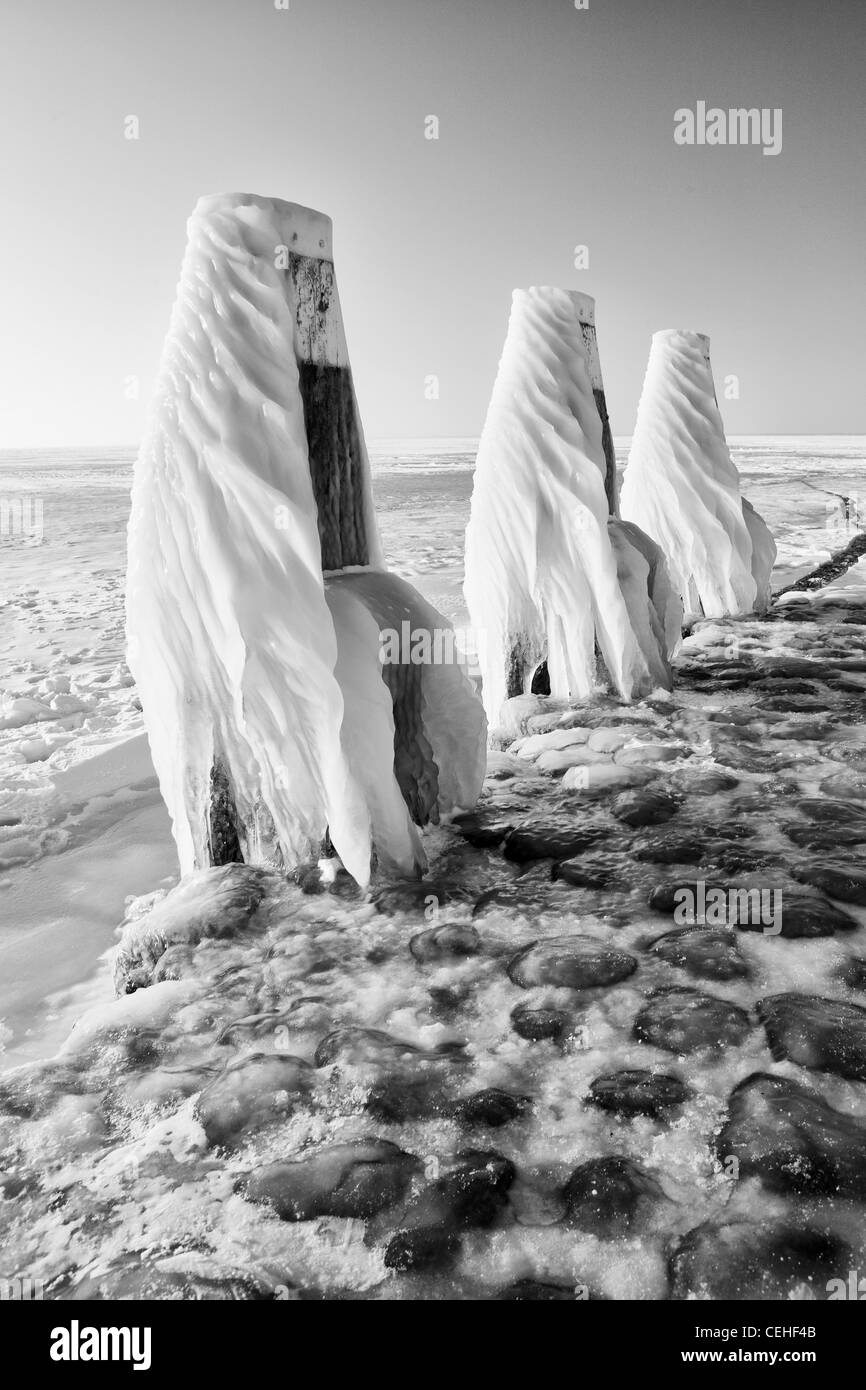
(555, 130)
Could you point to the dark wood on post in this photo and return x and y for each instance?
(222, 819)
(336, 455)
(334, 441)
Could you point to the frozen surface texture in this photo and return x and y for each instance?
(682, 487)
(526, 1075)
(655, 608)
(542, 579)
(268, 717)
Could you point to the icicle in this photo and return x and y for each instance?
(654, 606)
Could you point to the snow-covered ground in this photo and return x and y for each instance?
(512, 1080)
(274, 1020)
(81, 824)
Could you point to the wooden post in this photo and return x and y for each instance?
(338, 460)
(339, 467)
(586, 314)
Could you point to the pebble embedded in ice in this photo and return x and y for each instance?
(610, 1196)
(491, 1108)
(214, 902)
(472, 1194)
(638, 1092)
(683, 1020)
(537, 839)
(846, 882)
(575, 962)
(710, 953)
(451, 939)
(739, 1260)
(790, 1137)
(645, 806)
(539, 1024)
(824, 1034)
(355, 1179)
(595, 871)
(252, 1091)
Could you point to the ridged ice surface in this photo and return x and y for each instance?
(653, 603)
(681, 485)
(252, 679)
(413, 733)
(541, 572)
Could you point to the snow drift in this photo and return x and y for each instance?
(547, 579)
(270, 723)
(682, 487)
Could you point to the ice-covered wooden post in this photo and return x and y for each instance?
(338, 464)
(585, 305)
(682, 487)
(256, 597)
(335, 443)
(544, 579)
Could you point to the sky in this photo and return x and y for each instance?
(555, 130)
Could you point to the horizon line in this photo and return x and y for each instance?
(445, 438)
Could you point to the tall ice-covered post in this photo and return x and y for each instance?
(682, 487)
(255, 594)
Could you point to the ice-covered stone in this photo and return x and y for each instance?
(354, 1179)
(847, 882)
(738, 1261)
(610, 1196)
(539, 1024)
(252, 1090)
(638, 1092)
(214, 902)
(472, 1194)
(684, 1021)
(451, 940)
(787, 1135)
(824, 1034)
(647, 806)
(576, 962)
(710, 953)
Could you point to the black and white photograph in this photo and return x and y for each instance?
(432, 670)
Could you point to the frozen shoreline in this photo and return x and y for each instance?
(61, 911)
(134, 1121)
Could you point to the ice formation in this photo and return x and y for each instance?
(682, 486)
(643, 575)
(547, 578)
(255, 595)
